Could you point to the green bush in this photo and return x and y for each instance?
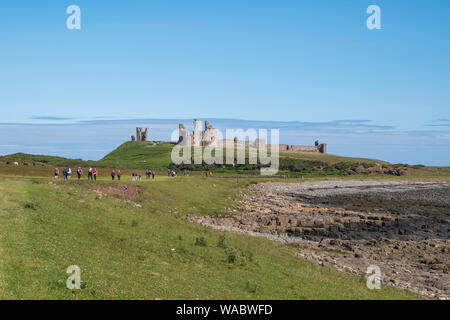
(201, 241)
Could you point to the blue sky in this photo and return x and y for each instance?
(314, 62)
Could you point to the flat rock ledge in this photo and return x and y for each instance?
(400, 226)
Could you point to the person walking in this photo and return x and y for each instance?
(132, 176)
(153, 175)
(56, 173)
(90, 173)
(79, 173)
(69, 173)
(65, 174)
(140, 176)
(95, 174)
(119, 174)
(113, 175)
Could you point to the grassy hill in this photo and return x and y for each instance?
(141, 156)
(43, 160)
(329, 158)
(137, 154)
(144, 249)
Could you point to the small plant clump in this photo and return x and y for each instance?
(251, 287)
(201, 242)
(221, 243)
(30, 205)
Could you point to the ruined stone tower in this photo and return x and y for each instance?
(140, 135)
(199, 137)
(184, 138)
(209, 135)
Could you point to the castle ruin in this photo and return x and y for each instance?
(208, 137)
(140, 135)
(198, 137)
(235, 143)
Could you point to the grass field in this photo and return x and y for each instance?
(140, 156)
(145, 249)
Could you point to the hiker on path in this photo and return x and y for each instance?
(140, 175)
(90, 173)
(132, 176)
(206, 173)
(119, 174)
(113, 175)
(65, 174)
(56, 173)
(79, 173)
(69, 173)
(153, 175)
(95, 174)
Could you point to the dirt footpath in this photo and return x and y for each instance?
(402, 227)
(127, 191)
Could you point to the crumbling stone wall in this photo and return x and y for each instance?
(303, 148)
(323, 148)
(281, 147)
(209, 135)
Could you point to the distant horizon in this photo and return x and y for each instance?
(92, 139)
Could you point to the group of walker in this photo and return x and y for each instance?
(67, 173)
(136, 176)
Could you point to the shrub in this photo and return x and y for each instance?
(251, 287)
(30, 205)
(231, 255)
(221, 243)
(200, 241)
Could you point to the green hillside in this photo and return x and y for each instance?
(142, 156)
(139, 155)
(143, 248)
(43, 160)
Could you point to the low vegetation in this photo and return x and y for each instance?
(145, 249)
(140, 156)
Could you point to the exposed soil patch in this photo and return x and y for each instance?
(127, 191)
(401, 227)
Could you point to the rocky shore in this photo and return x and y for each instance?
(400, 226)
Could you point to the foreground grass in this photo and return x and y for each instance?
(149, 252)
